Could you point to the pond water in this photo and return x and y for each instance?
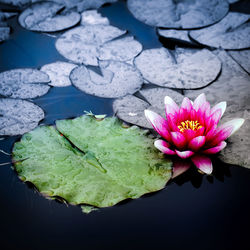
(192, 212)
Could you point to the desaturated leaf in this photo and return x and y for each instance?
(48, 17)
(181, 35)
(123, 49)
(183, 14)
(58, 73)
(23, 83)
(242, 57)
(232, 32)
(80, 44)
(117, 79)
(18, 116)
(102, 164)
(131, 108)
(184, 69)
(92, 17)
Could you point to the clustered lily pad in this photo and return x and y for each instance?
(131, 108)
(183, 69)
(80, 45)
(183, 14)
(58, 73)
(48, 17)
(18, 116)
(117, 79)
(92, 17)
(232, 32)
(86, 161)
(23, 83)
(242, 57)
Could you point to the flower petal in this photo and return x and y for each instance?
(170, 106)
(163, 146)
(214, 118)
(196, 143)
(180, 166)
(219, 106)
(189, 134)
(178, 139)
(159, 124)
(215, 149)
(184, 154)
(199, 101)
(203, 163)
(226, 130)
(186, 104)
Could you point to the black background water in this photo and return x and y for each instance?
(194, 212)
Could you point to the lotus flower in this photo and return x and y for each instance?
(191, 132)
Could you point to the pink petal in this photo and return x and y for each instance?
(171, 106)
(226, 130)
(215, 149)
(220, 106)
(214, 119)
(178, 139)
(196, 143)
(199, 101)
(163, 146)
(180, 166)
(186, 104)
(159, 124)
(172, 122)
(189, 134)
(203, 163)
(184, 154)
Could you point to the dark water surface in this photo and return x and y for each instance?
(194, 212)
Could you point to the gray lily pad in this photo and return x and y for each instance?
(237, 150)
(117, 79)
(183, 14)
(92, 17)
(122, 49)
(16, 2)
(181, 35)
(23, 83)
(91, 4)
(18, 116)
(80, 44)
(242, 57)
(232, 32)
(103, 165)
(46, 17)
(232, 86)
(131, 108)
(58, 73)
(184, 69)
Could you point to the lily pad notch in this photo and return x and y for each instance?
(89, 161)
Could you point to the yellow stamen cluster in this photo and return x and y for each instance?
(194, 125)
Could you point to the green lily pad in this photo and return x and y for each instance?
(98, 163)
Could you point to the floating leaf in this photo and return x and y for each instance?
(91, 4)
(102, 164)
(181, 35)
(232, 32)
(184, 69)
(131, 109)
(47, 17)
(80, 44)
(183, 14)
(232, 86)
(122, 49)
(58, 73)
(237, 150)
(23, 83)
(243, 58)
(117, 79)
(92, 17)
(18, 116)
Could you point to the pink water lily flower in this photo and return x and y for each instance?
(191, 132)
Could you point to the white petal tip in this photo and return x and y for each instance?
(237, 123)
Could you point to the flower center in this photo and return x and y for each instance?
(194, 125)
